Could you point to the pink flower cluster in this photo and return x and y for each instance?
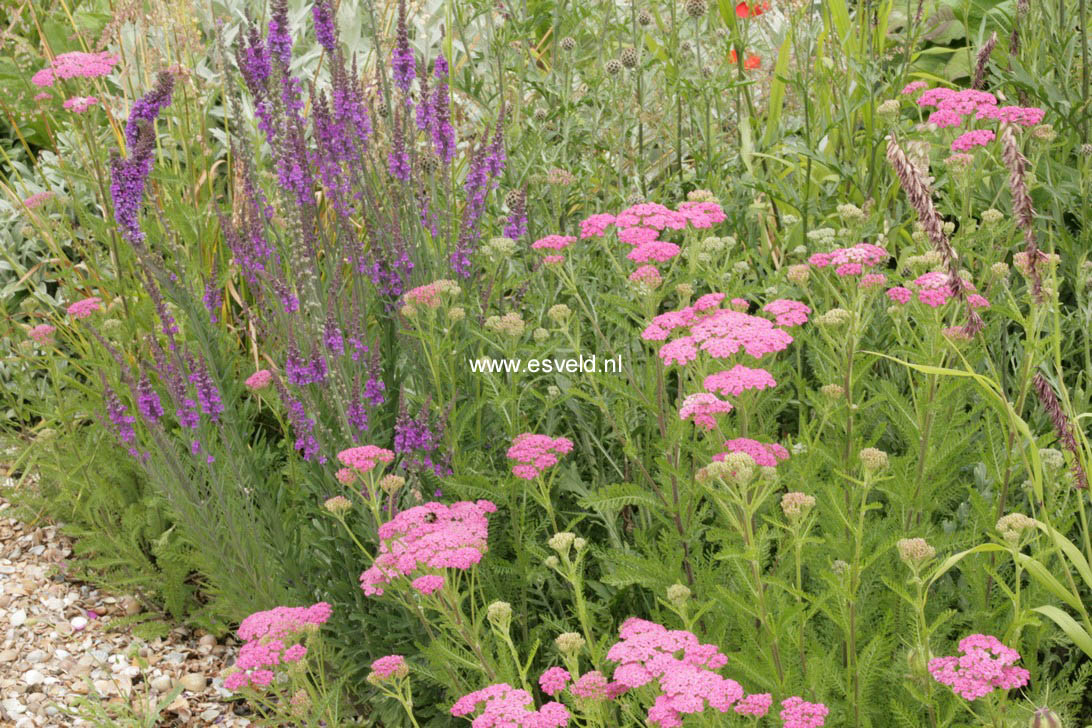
(554, 680)
(553, 242)
(76, 64)
(851, 261)
(701, 406)
(384, 667)
(84, 308)
(429, 294)
(271, 639)
(80, 104)
(38, 199)
(596, 225)
(42, 333)
(787, 312)
(934, 289)
(766, 455)
(535, 453)
(971, 139)
(593, 686)
(738, 379)
(431, 536)
(985, 665)
(647, 274)
(365, 457)
(259, 380)
(508, 707)
(722, 334)
(656, 250)
(647, 652)
(756, 705)
(796, 713)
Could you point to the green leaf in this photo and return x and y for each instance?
(1037, 570)
(777, 91)
(1069, 625)
(615, 496)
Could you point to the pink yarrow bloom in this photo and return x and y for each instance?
(429, 536)
(365, 457)
(535, 453)
(971, 139)
(84, 308)
(647, 274)
(271, 638)
(738, 379)
(554, 680)
(756, 704)
(384, 667)
(80, 104)
(657, 250)
(787, 312)
(503, 706)
(42, 333)
(596, 225)
(428, 583)
(38, 199)
(985, 665)
(76, 64)
(553, 259)
(796, 713)
(764, 454)
(553, 242)
(651, 214)
(702, 215)
(851, 261)
(899, 294)
(637, 235)
(649, 653)
(259, 380)
(913, 87)
(701, 406)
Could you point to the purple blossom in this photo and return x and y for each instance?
(207, 393)
(280, 35)
(116, 411)
(516, 227)
(418, 443)
(187, 414)
(403, 65)
(302, 373)
(147, 107)
(302, 425)
(325, 29)
(375, 391)
(212, 299)
(332, 336)
(443, 134)
(147, 400)
(398, 158)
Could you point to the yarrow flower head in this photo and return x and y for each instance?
(429, 536)
(80, 104)
(259, 380)
(390, 666)
(851, 261)
(365, 457)
(787, 312)
(647, 653)
(985, 665)
(502, 705)
(42, 333)
(701, 406)
(76, 64)
(915, 552)
(271, 638)
(766, 455)
(756, 705)
(795, 504)
(738, 379)
(535, 453)
(84, 308)
(796, 713)
(554, 680)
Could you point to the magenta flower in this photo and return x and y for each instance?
(553, 242)
(756, 704)
(503, 705)
(637, 235)
(914, 86)
(702, 215)
(271, 638)
(796, 713)
(764, 454)
(985, 665)
(42, 333)
(84, 308)
(433, 536)
(899, 294)
(787, 312)
(259, 380)
(535, 453)
(652, 215)
(596, 225)
(553, 259)
(428, 583)
(554, 680)
(738, 379)
(80, 104)
(701, 407)
(365, 457)
(38, 199)
(971, 139)
(76, 64)
(647, 274)
(384, 667)
(851, 261)
(656, 250)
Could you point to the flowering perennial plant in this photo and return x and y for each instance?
(503, 706)
(535, 453)
(272, 638)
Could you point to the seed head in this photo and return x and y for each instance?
(629, 57)
(561, 542)
(695, 8)
(568, 43)
(644, 18)
(613, 67)
(677, 594)
(391, 484)
(337, 505)
(500, 614)
(873, 460)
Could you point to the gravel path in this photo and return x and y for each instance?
(56, 648)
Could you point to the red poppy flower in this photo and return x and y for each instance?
(750, 63)
(746, 10)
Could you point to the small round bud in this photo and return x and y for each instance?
(540, 114)
(644, 18)
(915, 552)
(833, 317)
(337, 505)
(872, 459)
(799, 273)
(613, 67)
(540, 334)
(695, 8)
(992, 216)
(553, 391)
(391, 484)
(839, 567)
(678, 594)
(888, 108)
(500, 615)
(569, 643)
(552, 561)
(561, 542)
(456, 314)
(568, 43)
(579, 543)
(834, 391)
(795, 504)
(558, 312)
(629, 57)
